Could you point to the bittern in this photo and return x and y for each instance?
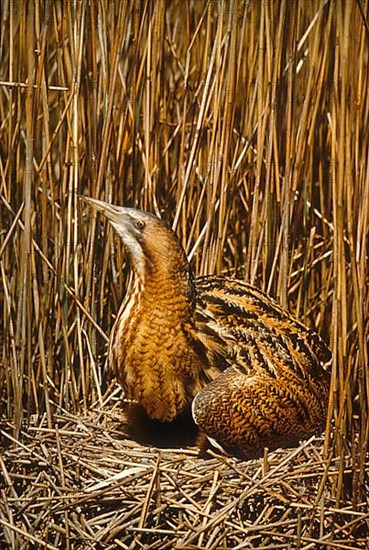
(255, 376)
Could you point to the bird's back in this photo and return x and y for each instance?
(275, 384)
(240, 324)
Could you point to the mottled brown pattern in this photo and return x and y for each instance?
(151, 349)
(275, 390)
(256, 376)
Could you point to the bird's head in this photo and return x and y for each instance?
(150, 244)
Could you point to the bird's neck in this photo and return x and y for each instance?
(166, 287)
(151, 345)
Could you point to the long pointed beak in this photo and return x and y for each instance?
(113, 213)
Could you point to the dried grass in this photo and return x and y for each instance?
(245, 125)
(80, 485)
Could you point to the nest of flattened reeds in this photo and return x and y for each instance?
(84, 485)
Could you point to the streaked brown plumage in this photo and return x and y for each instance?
(255, 376)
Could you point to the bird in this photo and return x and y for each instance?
(252, 375)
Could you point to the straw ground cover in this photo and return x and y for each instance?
(245, 125)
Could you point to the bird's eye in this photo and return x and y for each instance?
(140, 224)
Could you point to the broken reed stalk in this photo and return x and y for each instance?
(244, 126)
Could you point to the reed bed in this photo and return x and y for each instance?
(245, 125)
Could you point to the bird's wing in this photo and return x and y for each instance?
(240, 325)
(244, 414)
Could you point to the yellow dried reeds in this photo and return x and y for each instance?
(245, 124)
